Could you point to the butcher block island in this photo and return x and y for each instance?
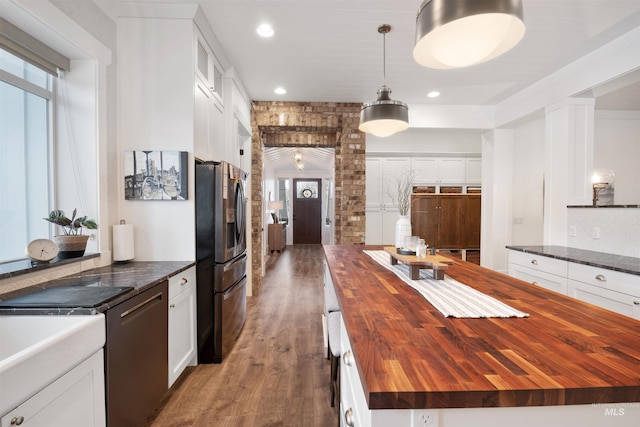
(403, 363)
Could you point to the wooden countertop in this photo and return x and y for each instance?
(410, 356)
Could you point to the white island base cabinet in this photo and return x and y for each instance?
(354, 411)
(75, 399)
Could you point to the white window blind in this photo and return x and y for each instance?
(31, 50)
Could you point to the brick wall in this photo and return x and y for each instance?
(312, 124)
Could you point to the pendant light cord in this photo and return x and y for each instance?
(384, 59)
(384, 29)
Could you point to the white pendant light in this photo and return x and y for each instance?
(459, 33)
(384, 116)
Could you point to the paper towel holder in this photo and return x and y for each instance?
(123, 250)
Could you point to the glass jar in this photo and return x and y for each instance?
(421, 249)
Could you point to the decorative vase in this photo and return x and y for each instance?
(403, 228)
(71, 246)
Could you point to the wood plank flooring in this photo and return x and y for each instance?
(276, 375)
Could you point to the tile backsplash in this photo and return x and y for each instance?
(609, 230)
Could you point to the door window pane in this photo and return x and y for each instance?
(307, 189)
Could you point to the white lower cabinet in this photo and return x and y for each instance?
(542, 271)
(182, 323)
(609, 289)
(75, 399)
(539, 278)
(381, 225)
(613, 290)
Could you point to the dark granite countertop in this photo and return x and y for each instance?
(625, 264)
(26, 266)
(140, 275)
(604, 206)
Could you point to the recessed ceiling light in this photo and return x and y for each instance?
(280, 90)
(433, 94)
(265, 30)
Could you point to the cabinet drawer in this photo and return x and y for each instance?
(539, 278)
(181, 281)
(618, 302)
(604, 278)
(539, 263)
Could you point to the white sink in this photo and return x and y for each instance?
(36, 350)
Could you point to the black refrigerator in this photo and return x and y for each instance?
(221, 257)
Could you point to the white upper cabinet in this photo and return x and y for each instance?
(439, 170)
(382, 175)
(206, 66)
(209, 130)
(425, 169)
(473, 170)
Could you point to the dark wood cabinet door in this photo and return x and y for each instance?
(447, 221)
(425, 217)
(450, 229)
(472, 214)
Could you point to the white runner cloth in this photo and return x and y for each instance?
(450, 297)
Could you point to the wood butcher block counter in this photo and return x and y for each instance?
(410, 356)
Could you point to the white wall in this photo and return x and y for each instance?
(427, 141)
(617, 147)
(528, 181)
(155, 112)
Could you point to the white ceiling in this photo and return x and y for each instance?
(314, 159)
(330, 50)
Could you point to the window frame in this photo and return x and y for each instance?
(49, 96)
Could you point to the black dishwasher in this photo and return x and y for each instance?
(136, 357)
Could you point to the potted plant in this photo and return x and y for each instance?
(402, 197)
(72, 243)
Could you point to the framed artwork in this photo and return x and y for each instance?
(155, 175)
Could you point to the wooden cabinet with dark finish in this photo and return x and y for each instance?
(447, 221)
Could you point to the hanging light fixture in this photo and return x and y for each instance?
(384, 116)
(459, 33)
(297, 159)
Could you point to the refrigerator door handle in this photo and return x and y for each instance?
(234, 264)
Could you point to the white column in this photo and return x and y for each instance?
(568, 163)
(497, 172)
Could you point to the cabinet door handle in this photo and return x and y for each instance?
(172, 306)
(184, 281)
(636, 303)
(348, 417)
(347, 358)
(16, 421)
(601, 278)
(534, 261)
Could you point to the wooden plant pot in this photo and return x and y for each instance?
(71, 246)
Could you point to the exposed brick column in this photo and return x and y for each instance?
(256, 206)
(312, 124)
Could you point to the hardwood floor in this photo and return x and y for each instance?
(276, 375)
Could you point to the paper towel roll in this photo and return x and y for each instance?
(123, 247)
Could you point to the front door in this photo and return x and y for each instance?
(307, 211)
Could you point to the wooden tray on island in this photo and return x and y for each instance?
(437, 263)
